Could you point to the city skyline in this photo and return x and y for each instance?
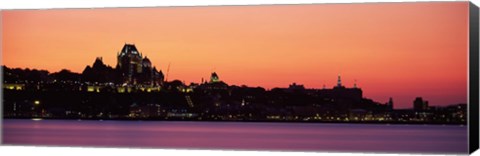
(390, 54)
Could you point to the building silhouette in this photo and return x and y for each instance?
(214, 78)
(136, 69)
(295, 86)
(419, 104)
(131, 69)
(390, 104)
(91, 95)
(99, 72)
(342, 92)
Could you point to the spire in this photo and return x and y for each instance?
(355, 84)
(390, 103)
(339, 81)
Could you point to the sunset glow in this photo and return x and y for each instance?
(399, 50)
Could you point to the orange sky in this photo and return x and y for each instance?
(399, 50)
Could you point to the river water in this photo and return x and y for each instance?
(239, 135)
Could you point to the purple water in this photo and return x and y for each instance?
(239, 135)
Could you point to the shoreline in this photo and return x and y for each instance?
(246, 121)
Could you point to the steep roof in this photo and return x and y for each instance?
(129, 49)
(146, 59)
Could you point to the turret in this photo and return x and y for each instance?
(214, 78)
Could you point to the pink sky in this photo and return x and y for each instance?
(399, 50)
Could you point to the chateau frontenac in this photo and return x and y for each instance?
(131, 68)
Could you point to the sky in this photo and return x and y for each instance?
(398, 50)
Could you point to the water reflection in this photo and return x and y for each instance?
(235, 135)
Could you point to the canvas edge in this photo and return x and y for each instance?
(473, 111)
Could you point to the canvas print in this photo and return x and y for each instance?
(366, 77)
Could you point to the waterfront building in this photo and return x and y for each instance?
(419, 104)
